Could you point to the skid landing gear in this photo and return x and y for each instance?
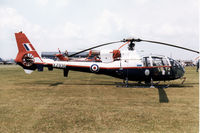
(125, 82)
(184, 78)
(152, 85)
(147, 84)
(156, 85)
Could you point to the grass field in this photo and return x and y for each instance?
(48, 102)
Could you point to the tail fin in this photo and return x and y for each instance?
(27, 56)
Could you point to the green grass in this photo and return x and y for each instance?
(48, 102)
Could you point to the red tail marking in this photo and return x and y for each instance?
(21, 40)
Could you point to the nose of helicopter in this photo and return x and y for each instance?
(177, 68)
(180, 71)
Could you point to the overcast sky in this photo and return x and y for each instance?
(78, 24)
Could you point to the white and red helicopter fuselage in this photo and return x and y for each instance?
(124, 64)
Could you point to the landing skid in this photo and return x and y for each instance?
(139, 85)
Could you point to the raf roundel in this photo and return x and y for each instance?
(94, 68)
(147, 72)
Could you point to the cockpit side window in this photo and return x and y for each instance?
(165, 62)
(174, 63)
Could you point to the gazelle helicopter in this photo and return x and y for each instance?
(123, 64)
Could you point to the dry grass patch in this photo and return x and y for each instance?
(48, 102)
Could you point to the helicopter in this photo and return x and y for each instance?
(123, 64)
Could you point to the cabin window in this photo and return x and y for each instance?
(146, 61)
(157, 61)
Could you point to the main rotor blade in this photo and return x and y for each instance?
(167, 44)
(93, 48)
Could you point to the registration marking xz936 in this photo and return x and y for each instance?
(59, 65)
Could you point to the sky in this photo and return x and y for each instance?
(75, 25)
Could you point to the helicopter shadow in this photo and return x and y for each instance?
(56, 84)
(83, 84)
(162, 95)
(163, 98)
(181, 85)
(91, 84)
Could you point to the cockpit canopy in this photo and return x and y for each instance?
(160, 61)
(156, 61)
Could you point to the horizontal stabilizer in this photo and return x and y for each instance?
(27, 71)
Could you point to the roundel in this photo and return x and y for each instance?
(94, 68)
(147, 72)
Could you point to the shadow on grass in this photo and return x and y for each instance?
(162, 95)
(180, 85)
(137, 85)
(86, 84)
(99, 82)
(56, 84)
(104, 83)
